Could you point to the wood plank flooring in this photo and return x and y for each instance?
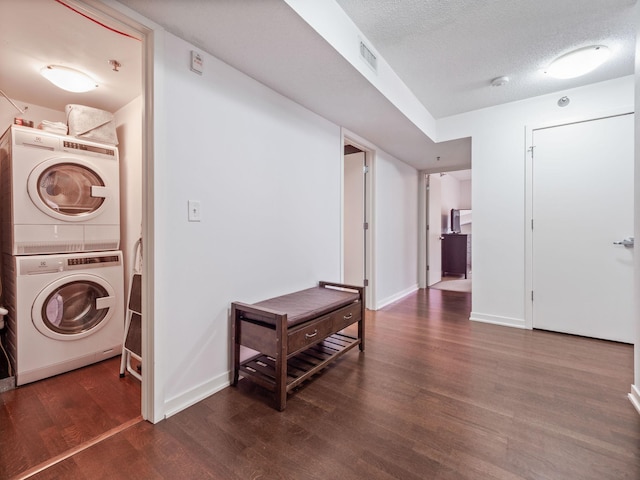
(434, 396)
(44, 419)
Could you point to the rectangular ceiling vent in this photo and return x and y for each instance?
(369, 56)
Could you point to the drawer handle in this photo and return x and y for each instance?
(311, 335)
(348, 317)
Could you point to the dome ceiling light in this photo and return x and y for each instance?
(579, 62)
(68, 79)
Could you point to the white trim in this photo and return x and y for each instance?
(528, 232)
(152, 401)
(497, 320)
(195, 395)
(423, 250)
(634, 397)
(370, 160)
(395, 297)
(342, 144)
(528, 195)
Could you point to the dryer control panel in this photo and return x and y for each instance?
(34, 138)
(60, 263)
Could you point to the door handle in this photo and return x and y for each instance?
(105, 302)
(99, 191)
(627, 242)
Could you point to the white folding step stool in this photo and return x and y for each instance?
(132, 343)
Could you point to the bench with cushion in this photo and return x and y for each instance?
(294, 336)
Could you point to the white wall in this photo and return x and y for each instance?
(129, 129)
(498, 197)
(396, 229)
(449, 198)
(465, 195)
(33, 112)
(267, 173)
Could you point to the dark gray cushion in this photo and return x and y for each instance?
(305, 304)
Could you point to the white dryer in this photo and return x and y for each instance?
(58, 194)
(65, 311)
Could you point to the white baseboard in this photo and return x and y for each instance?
(497, 320)
(193, 396)
(634, 397)
(395, 297)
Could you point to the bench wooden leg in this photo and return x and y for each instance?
(281, 362)
(235, 335)
(281, 383)
(363, 312)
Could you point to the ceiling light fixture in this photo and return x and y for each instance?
(68, 79)
(579, 62)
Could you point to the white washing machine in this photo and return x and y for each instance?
(65, 311)
(59, 194)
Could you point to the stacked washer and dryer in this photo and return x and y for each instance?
(63, 278)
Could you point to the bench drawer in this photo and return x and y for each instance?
(346, 316)
(309, 334)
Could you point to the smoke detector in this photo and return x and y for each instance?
(499, 81)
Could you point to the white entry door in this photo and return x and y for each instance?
(582, 204)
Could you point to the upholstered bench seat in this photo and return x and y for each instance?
(304, 305)
(296, 335)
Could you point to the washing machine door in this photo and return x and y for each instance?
(68, 189)
(73, 307)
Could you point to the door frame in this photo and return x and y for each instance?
(425, 246)
(151, 405)
(350, 138)
(528, 200)
(423, 214)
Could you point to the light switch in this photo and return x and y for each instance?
(194, 211)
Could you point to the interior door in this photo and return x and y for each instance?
(434, 230)
(354, 219)
(582, 204)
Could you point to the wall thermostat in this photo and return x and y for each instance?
(196, 62)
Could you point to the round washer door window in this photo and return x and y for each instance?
(73, 309)
(67, 190)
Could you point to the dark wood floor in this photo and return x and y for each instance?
(435, 396)
(44, 419)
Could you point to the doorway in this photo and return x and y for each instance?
(137, 111)
(447, 247)
(144, 225)
(357, 265)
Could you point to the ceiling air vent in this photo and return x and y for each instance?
(368, 56)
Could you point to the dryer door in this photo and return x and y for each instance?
(73, 307)
(68, 189)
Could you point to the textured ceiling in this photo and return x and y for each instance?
(447, 52)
